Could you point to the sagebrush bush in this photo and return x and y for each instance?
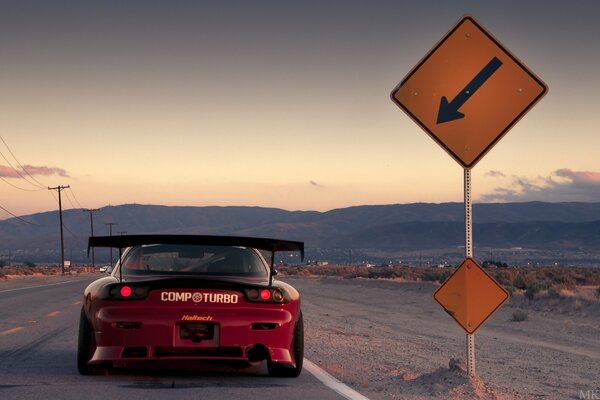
(534, 288)
(553, 293)
(519, 315)
(430, 276)
(443, 276)
(519, 282)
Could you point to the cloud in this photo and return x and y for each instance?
(495, 174)
(562, 185)
(315, 184)
(9, 172)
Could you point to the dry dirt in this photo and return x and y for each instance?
(390, 340)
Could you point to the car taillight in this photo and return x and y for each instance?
(267, 295)
(123, 292)
(252, 294)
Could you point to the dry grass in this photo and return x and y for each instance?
(24, 272)
(532, 282)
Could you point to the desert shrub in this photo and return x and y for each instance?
(519, 282)
(506, 274)
(563, 280)
(519, 315)
(534, 288)
(435, 274)
(502, 279)
(592, 276)
(510, 288)
(524, 278)
(356, 274)
(531, 292)
(384, 272)
(443, 276)
(430, 276)
(553, 293)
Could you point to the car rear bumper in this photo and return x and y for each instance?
(127, 333)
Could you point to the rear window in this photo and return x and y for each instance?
(194, 260)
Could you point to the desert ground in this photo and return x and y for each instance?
(391, 340)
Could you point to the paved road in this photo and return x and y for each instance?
(38, 336)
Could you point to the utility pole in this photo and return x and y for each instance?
(62, 241)
(91, 211)
(110, 225)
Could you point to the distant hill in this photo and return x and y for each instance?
(366, 230)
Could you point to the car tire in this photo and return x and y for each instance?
(85, 349)
(285, 370)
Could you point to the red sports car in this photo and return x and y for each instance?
(190, 297)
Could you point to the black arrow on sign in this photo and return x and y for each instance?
(449, 111)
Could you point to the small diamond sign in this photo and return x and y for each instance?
(470, 295)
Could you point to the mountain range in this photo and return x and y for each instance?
(538, 230)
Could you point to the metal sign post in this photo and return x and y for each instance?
(469, 254)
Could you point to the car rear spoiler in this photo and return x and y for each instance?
(273, 245)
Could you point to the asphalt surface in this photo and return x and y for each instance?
(38, 341)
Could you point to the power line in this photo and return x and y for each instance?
(70, 202)
(16, 170)
(65, 226)
(54, 196)
(39, 185)
(18, 218)
(75, 198)
(20, 188)
(77, 237)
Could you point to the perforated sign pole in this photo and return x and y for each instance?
(469, 254)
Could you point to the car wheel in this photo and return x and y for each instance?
(86, 348)
(285, 370)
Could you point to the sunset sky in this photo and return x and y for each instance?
(276, 104)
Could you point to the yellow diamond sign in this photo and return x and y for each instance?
(468, 92)
(470, 295)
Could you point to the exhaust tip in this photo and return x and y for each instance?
(258, 352)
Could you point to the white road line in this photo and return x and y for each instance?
(332, 383)
(33, 287)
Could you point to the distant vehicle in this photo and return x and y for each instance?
(189, 297)
(105, 268)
